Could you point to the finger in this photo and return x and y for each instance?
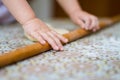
(93, 23)
(63, 39)
(81, 23)
(95, 29)
(38, 37)
(96, 24)
(87, 23)
(49, 40)
(56, 40)
(98, 27)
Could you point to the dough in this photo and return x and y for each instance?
(59, 30)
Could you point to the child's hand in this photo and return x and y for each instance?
(85, 20)
(38, 30)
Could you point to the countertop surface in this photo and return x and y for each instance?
(94, 57)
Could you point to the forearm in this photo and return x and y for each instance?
(20, 9)
(70, 6)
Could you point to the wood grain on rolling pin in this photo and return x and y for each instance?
(37, 48)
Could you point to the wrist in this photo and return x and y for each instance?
(30, 23)
(33, 20)
(27, 19)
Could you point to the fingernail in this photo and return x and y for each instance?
(43, 42)
(61, 48)
(66, 40)
(56, 48)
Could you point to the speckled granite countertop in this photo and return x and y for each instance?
(95, 57)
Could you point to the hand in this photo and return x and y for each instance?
(38, 30)
(85, 20)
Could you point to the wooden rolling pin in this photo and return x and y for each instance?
(36, 48)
